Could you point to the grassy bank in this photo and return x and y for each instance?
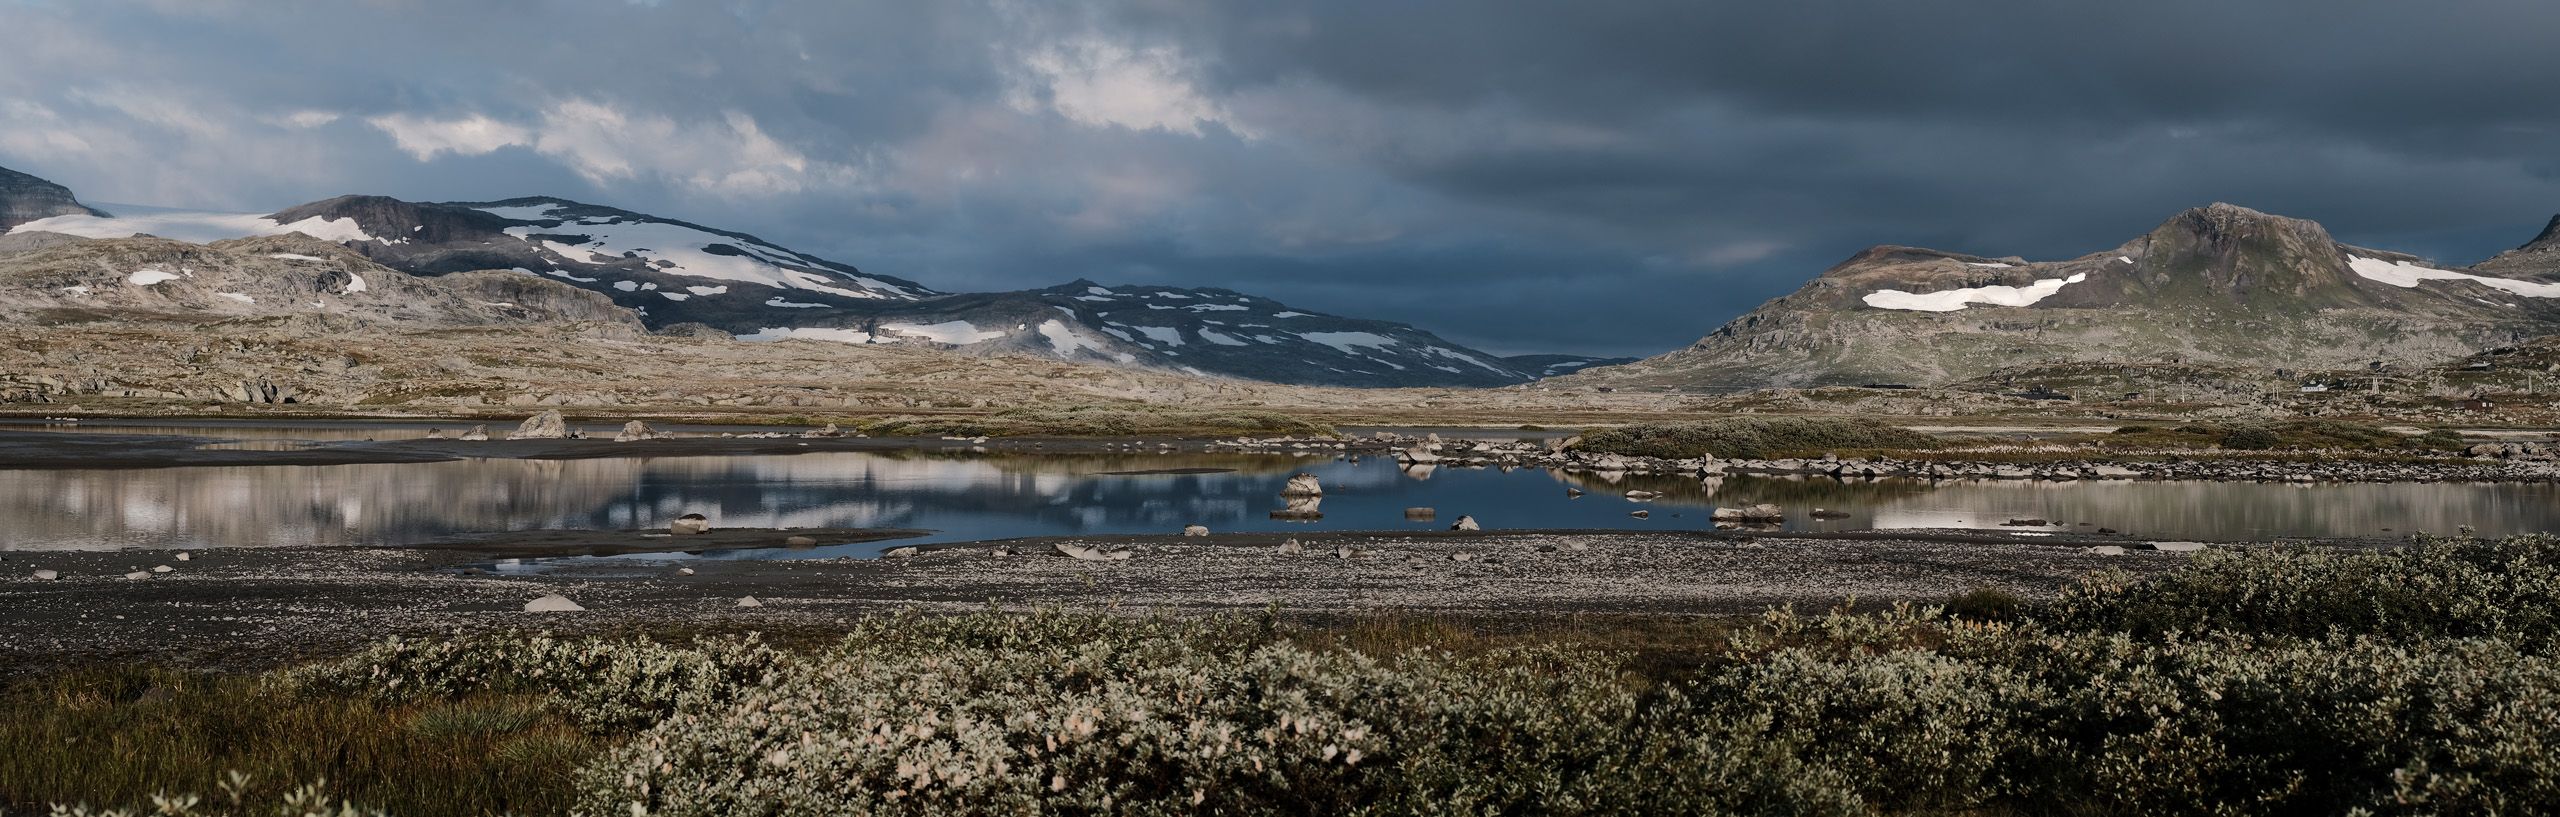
(2420, 681)
(1757, 438)
(1102, 421)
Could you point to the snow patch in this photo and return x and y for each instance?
(674, 296)
(1288, 314)
(295, 257)
(1166, 335)
(687, 251)
(773, 333)
(707, 291)
(538, 212)
(778, 303)
(2406, 275)
(1989, 264)
(150, 277)
(955, 333)
(199, 228)
(355, 284)
(1217, 307)
(1955, 299)
(627, 286)
(1219, 338)
(237, 297)
(1347, 341)
(1065, 340)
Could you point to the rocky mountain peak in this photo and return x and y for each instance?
(2548, 241)
(25, 198)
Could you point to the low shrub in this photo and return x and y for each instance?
(2250, 439)
(1753, 438)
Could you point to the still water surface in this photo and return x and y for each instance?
(963, 497)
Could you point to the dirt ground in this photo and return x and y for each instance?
(245, 608)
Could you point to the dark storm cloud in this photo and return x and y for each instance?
(1599, 176)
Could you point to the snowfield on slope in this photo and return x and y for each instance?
(198, 228)
(1955, 299)
(2406, 275)
(681, 250)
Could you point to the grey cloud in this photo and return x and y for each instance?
(1614, 176)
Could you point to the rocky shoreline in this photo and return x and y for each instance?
(2511, 462)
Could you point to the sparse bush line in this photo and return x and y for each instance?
(2417, 681)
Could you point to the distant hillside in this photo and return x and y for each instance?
(675, 274)
(25, 198)
(2212, 285)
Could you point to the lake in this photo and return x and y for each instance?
(965, 496)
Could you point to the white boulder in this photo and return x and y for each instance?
(554, 603)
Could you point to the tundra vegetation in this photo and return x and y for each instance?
(2261, 680)
(1756, 438)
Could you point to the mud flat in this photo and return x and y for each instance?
(246, 608)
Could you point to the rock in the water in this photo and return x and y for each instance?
(477, 434)
(635, 430)
(1303, 485)
(47, 575)
(1289, 547)
(554, 603)
(1301, 509)
(1420, 514)
(749, 601)
(545, 426)
(1465, 523)
(137, 575)
(800, 541)
(1417, 455)
(1641, 495)
(185, 556)
(1573, 493)
(1641, 514)
(829, 431)
(1196, 530)
(690, 524)
(435, 433)
(1755, 513)
(1825, 513)
(908, 552)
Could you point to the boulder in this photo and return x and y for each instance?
(1641, 496)
(477, 434)
(1342, 553)
(690, 524)
(2107, 550)
(1301, 509)
(137, 575)
(800, 541)
(2178, 547)
(1756, 513)
(1303, 485)
(48, 575)
(908, 552)
(1417, 455)
(185, 556)
(163, 569)
(749, 601)
(1465, 523)
(1084, 553)
(1641, 514)
(1289, 548)
(1420, 514)
(554, 603)
(1573, 493)
(829, 431)
(635, 431)
(684, 571)
(1462, 557)
(1196, 530)
(1826, 513)
(545, 426)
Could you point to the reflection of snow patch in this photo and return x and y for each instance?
(1955, 299)
(2407, 275)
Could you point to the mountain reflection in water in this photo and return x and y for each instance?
(985, 496)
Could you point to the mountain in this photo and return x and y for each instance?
(2538, 259)
(25, 198)
(2213, 285)
(678, 274)
(1201, 331)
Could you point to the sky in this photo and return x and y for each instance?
(1592, 177)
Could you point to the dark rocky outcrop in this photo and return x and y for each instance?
(25, 198)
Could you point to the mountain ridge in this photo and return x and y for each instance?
(2219, 283)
